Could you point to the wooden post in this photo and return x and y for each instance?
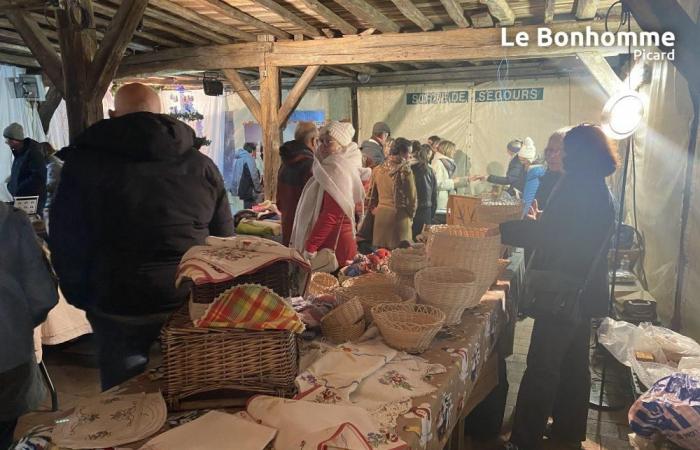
(272, 135)
(355, 111)
(47, 108)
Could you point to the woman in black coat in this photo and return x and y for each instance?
(567, 241)
(426, 188)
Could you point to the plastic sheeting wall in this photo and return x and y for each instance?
(485, 123)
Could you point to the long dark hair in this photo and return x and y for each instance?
(587, 151)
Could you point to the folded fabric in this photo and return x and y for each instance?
(253, 229)
(338, 373)
(252, 307)
(223, 259)
(274, 226)
(214, 430)
(111, 420)
(306, 426)
(313, 309)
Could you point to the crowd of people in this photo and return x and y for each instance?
(135, 194)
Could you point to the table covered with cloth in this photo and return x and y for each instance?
(425, 421)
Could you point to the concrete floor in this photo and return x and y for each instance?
(74, 372)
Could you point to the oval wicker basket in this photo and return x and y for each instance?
(450, 289)
(474, 248)
(498, 212)
(340, 334)
(369, 279)
(408, 327)
(322, 283)
(407, 261)
(372, 295)
(344, 314)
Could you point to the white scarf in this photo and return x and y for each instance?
(339, 176)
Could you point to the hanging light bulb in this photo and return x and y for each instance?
(623, 114)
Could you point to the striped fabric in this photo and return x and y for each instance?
(251, 307)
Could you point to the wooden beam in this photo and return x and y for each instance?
(37, 41)
(586, 9)
(241, 88)
(10, 5)
(157, 20)
(452, 45)
(104, 65)
(602, 72)
(15, 48)
(482, 20)
(501, 10)
(289, 16)
(271, 131)
(368, 13)
(549, 11)
(229, 11)
(206, 21)
(296, 94)
(21, 61)
(668, 15)
(456, 12)
(48, 107)
(341, 71)
(412, 13)
(330, 17)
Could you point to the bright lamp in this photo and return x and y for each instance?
(623, 114)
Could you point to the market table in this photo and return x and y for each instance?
(469, 351)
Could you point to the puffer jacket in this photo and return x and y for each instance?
(134, 196)
(28, 176)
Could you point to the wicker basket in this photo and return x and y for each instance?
(369, 279)
(322, 283)
(449, 289)
(408, 327)
(197, 361)
(344, 323)
(476, 249)
(498, 212)
(276, 276)
(407, 262)
(371, 295)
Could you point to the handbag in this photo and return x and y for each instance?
(366, 228)
(326, 259)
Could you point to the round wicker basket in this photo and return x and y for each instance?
(372, 295)
(407, 261)
(450, 289)
(344, 323)
(498, 212)
(322, 283)
(369, 279)
(408, 327)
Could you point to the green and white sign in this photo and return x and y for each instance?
(509, 95)
(434, 98)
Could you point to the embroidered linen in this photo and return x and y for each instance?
(110, 421)
(214, 430)
(224, 259)
(251, 307)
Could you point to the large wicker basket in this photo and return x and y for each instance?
(344, 323)
(449, 289)
(372, 295)
(277, 276)
(224, 361)
(322, 283)
(498, 212)
(368, 279)
(408, 327)
(407, 261)
(476, 248)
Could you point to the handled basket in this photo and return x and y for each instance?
(450, 289)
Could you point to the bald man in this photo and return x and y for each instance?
(134, 196)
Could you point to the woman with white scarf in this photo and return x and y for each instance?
(325, 217)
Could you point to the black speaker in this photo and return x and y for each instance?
(213, 87)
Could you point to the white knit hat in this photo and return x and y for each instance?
(342, 132)
(528, 150)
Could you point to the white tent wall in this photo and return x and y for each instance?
(483, 125)
(58, 127)
(14, 110)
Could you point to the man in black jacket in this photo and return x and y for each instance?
(134, 196)
(28, 175)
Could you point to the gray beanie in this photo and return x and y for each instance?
(14, 131)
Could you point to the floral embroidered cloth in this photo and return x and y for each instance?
(251, 307)
(307, 426)
(224, 259)
(110, 421)
(214, 430)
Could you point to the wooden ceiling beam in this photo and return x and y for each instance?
(34, 37)
(289, 16)
(296, 93)
(456, 12)
(343, 72)
(104, 23)
(549, 11)
(15, 48)
(501, 10)
(452, 45)
(236, 14)
(8, 5)
(241, 88)
(17, 60)
(412, 13)
(482, 20)
(157, 20)
(331, 18)
(606, 77)
(368, 13)
(108, 56)
(586, 9)
(209, 23)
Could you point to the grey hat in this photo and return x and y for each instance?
(515, 145)
(14, 131)
(379, 128)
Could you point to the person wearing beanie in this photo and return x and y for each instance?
(325, 217)
(245, 179)
(519, 151)
(28, 173)
(373, 148)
